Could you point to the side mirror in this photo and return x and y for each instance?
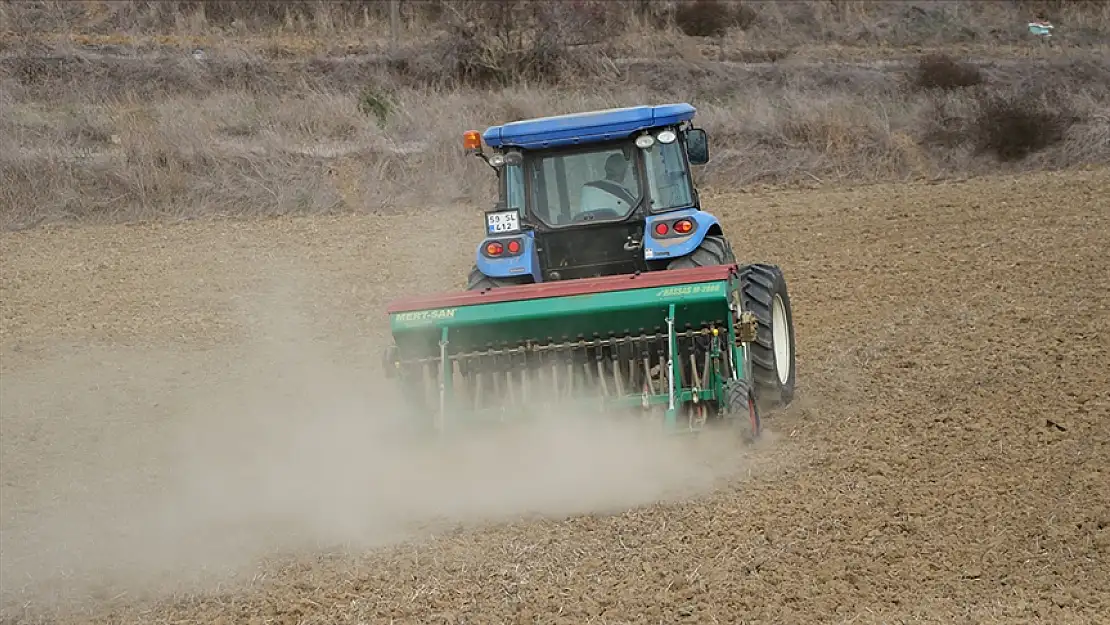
(697, 146)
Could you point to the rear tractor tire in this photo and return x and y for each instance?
(478, 281)
(714, 250)
(763, 292)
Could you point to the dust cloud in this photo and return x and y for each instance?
(149, 469)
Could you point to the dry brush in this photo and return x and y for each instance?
(120, 120)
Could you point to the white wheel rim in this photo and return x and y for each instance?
(781, 333)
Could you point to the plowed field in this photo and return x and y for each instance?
(189, 418)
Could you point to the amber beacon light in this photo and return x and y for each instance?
(472, 141)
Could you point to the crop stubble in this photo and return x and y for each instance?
(169, 389)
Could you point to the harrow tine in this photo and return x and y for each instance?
(617, 370)
(524, 374)
(554, 376)
(510, 392)
(496, 379)
(479, 382)
(601, 375)
(464, 384)
(541, 371)
(426, 378)
(633, 366)
(456, 377)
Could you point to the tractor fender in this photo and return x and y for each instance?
(526, 263)
(656, 248)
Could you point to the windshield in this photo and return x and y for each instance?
(583, 186)
(667, 177)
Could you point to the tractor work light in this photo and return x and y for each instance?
(472, 141)
(683, 226)
(645, 141)
(667, 136)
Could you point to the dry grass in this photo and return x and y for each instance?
(294, 109)
(894, 23)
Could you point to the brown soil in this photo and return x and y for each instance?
(190, 411)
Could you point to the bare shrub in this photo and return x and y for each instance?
(374, 102)
(31, 71)
(941, 71)
(1014, 125)
(946, 122)
(496, 43)
(712, 18)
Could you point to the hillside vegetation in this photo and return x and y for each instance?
(142, 110)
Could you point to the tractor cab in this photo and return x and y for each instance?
(578, 193)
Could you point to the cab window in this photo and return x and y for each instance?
(584, 186)
(514, 186)
(668, 178)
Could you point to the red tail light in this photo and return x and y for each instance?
(660, 229)
(683, 226)
(514, 246)
(493, 248)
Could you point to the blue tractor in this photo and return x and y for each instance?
(610, 193)
(595, 194)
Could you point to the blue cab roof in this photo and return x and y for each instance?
(584, 128)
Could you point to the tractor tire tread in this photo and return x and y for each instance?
(759, 284)
(713, 250)
(737, 395)
(478, 281)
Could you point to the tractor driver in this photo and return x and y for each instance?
(615, 168)
(608, 197)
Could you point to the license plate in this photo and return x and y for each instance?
(504, 221)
